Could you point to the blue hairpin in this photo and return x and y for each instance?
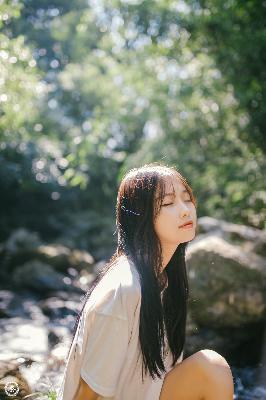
(129, 211)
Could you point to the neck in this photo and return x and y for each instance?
(167, 253)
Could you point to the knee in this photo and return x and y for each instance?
(215, 365)
(212, 358)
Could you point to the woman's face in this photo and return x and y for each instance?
(177, 209)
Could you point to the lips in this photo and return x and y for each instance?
(186, 223)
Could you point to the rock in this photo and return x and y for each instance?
(57, 335)
(22, 239)
(81, 259)
(39, 276)
(23, 246)
(18, 248)
(227, 277)
(48, 345)
(64, 295)
(15, 305)
(12, 383)
(53, 339)
(259, 245)
(6, 308)
(198, 338)
(229, 231)
(228, 285)
(61, 257)
(55, 255)
(261, 378)
(56, 308)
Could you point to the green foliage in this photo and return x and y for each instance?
(20, 89)
(50, 395)
(89, 90)
(9, 10)
(234, 34)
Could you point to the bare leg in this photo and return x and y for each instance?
(219, 377)
(204, 375)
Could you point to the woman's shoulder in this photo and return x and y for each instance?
(123, 276)
(118, 292)
(126, 273)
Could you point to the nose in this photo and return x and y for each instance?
(184, 213)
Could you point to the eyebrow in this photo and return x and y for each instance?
(173, 194)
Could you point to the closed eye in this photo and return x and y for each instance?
(168, 204)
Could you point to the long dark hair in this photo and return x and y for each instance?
(139, 201)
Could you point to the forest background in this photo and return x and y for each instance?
(89, 89)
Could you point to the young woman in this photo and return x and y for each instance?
(130, 335)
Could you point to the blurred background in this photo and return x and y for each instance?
(90, 89)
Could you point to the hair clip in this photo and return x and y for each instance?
(129, 211)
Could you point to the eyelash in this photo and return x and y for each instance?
(168, 204)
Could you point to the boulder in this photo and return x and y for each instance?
(17, 249)
(12, 383)
(19, 305)
(56, 308)
(229, 231)
(22, 239)
(23, 246)
(61, 257)
(227, 283)
(40, 277)
(259, 245)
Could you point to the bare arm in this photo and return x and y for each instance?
(85, 392)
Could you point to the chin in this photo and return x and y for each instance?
(188, 239)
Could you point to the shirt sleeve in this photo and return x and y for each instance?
(105, 351)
